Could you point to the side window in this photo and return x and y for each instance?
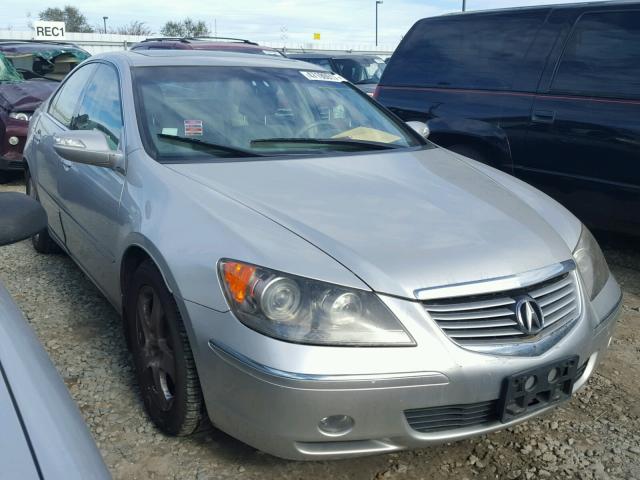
(100, 107)
(602, 57)
(64, 104)
(475, 51)
(323, 62)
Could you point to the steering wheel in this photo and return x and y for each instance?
(320, 123)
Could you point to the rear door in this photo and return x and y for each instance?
(584, 140)
(90, 195)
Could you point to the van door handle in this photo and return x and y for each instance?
(543, 116)
(66, 164)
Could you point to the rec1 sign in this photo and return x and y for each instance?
(49, 30)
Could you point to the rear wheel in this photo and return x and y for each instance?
(42, 241)
(163, 359)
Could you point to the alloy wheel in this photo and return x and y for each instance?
(155, 349)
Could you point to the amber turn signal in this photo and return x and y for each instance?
(238, 277)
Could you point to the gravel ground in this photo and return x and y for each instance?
(595, 436)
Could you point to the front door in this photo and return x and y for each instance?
(48, 163)
(585, 135)
(91, 195)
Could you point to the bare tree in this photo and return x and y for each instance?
(185, 28)
(134, 28)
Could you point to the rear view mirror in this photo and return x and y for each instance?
(420, 128)
(86, 146)
(20, 217)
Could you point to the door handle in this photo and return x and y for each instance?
(66, 164)
(543, 116)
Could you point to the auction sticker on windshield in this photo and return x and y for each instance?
(193, 128)
(323, 76)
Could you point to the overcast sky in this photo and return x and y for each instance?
(338, 21)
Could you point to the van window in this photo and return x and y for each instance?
(322, 62)
(478, 51)
(602, 57)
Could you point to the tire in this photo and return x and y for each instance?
(41, 241)
(467, 151)
(164, 362)
(5, 176)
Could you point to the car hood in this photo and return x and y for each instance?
(400, 221)
(25, 96)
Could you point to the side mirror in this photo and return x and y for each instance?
(20, 217)
(420, 127)
(86, 146)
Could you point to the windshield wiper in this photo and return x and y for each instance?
(341, 142)
(239, 152)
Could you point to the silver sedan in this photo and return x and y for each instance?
(298, 266)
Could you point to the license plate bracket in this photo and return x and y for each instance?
(551, 384)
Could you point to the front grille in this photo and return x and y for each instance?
(451, 417)
(17, 164)
(492, 317)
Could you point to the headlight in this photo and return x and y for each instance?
(25, 117)
(307, 311)
(591, 263)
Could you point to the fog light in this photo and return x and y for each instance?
(530, 382)
(13, 141)
(553, 375)
(336, 425)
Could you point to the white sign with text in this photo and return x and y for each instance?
(48, 30)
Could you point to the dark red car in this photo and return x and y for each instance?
(206, 43)
(29, 73)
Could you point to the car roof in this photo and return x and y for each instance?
(555, 6)
(331, 55)
(199, 39)
(148, 58)
(35, 45)
(200, 43)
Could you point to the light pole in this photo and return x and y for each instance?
(378, 2)
(104, 20)
(464, 5)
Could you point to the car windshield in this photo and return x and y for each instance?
(360, 70)
(47, 63)
(190, 113)
(8, 73)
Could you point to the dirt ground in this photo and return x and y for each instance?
(596, 435)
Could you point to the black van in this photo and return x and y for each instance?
(550, 94)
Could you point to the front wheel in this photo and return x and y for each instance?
(41, 241)
(5, 176)
(163, 359)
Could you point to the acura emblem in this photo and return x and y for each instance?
(529, 315)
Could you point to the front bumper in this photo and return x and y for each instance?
(277, 410)
(9, 163)
(11, 156)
